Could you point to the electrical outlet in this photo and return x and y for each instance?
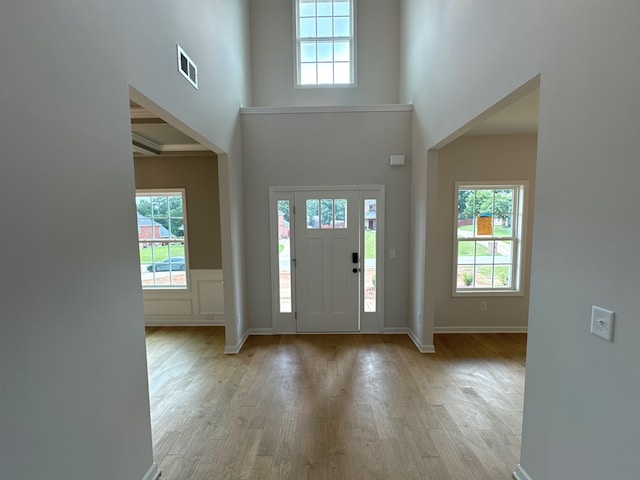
(602, 321)
(483, 305)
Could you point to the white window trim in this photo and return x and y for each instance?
(519, 223)
(160, 191)
(296, 53)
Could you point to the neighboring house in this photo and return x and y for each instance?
(283, 226)
(370, 215)
(150, 229)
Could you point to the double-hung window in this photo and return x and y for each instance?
(488, 238)
(325, 42)
(162, 238)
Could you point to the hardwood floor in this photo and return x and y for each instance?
(335, 406)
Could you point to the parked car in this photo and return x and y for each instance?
(168, 265)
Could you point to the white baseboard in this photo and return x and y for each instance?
(173, 322)
(263, 331)
(421, 347)
(235, 349)
(480, 329)
(521, 474)
(153, 473)
(396, 331)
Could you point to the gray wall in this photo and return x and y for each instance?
(486, 158)
(322, 149)
(460, 58)
(273, 57)
(74, 400)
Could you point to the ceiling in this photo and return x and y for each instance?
(519, 118)
(152, 136)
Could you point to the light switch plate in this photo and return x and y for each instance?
(602, 321)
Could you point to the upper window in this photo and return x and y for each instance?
(488, 247)
(324, 42)
(161, 239)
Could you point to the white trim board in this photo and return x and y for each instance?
(200, 304)
(153, 473)
(351, 109)
(507, 329)
(521, 474)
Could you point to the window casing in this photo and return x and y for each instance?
(162, 239)
(325, 42)
(488, 238)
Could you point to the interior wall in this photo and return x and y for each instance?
(75, 400)
(459, 59)
(481, 158)
(273, 57)
(324, 149)
(198, 175)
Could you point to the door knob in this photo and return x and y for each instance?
(356, 270)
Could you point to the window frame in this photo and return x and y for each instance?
(297, 43)
(518, 237)
(184, 240)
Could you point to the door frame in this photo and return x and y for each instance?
(285, 322)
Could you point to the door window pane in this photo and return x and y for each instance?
(327, 213)
(313, 213)
(340, 206)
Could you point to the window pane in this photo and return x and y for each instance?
(326, 206)
(484, 201)
(308, 51)
(325, 73)
(484, 252)
(325, 51)
(307, 8)
(341, 27)
(284, 256)
(341, 213)
(342, 73)
(502, 276)
(341, 51)
(340, 8)
(464, 278)
(325, 8)
(308, 74)
(313, 217)
(307, 27)
(466, 252)
(370, 226)
(324, 27)
(163, 264)
(483, 276)
(503, 225)
(503, 251)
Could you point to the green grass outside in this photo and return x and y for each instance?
(369, 244)
(160, 253)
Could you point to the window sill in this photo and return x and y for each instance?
(487, 293)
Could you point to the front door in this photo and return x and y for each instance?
(327, 261)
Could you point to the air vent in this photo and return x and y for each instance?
(187, 68)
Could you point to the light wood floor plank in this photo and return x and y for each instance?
(335, 407)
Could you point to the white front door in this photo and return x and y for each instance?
(327, 260)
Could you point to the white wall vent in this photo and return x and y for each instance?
(187, 68)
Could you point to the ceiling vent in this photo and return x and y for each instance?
(187, 68)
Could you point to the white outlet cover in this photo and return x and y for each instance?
(602, 321)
